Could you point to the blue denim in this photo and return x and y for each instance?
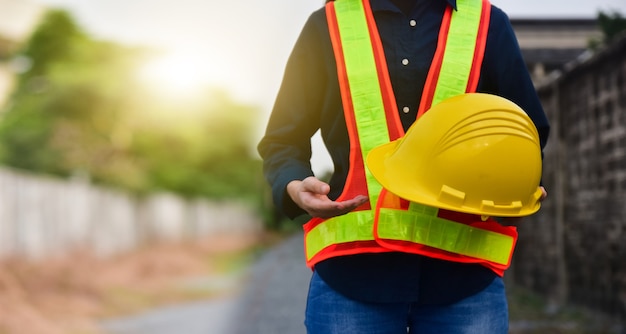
(329, 312)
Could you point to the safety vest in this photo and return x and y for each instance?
(388, 223)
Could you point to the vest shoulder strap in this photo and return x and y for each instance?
(368, 102)
(459, 55)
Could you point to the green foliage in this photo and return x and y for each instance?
(56, 39)
(202, 152)
(80, 109)
(612, 25)
(65, 109)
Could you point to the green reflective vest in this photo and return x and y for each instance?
(372, 119)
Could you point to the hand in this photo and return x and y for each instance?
(311, 195)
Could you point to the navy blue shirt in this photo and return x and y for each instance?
(309, 99)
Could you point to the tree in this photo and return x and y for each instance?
(67, 105)
(612, 26)
(80, 109)
(57, 38)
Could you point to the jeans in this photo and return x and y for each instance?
(329, 312)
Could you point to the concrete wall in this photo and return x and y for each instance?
(574, 249)
(43, 216)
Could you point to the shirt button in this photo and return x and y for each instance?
(406, 110)
(405, 61)
(413, 23)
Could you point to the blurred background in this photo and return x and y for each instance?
(129, 179)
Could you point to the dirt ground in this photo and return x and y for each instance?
(69, 294)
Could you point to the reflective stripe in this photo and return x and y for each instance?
(430, 230)
(361, 70)
(419, 225)
(353, 226)
(459, 52)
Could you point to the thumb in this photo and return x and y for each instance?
(316, 186)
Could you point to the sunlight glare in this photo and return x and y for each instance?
(177, 75)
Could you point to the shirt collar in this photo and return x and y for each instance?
(452, 3)
(378, 5)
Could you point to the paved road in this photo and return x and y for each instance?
(272, 302)
(207, 317)
(275, 297)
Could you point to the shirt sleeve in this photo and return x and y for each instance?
(286, 146)
(504, 72)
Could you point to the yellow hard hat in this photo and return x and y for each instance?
(475, 153)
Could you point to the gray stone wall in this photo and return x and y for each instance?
(574, 249)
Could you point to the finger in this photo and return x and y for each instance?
(326, 208)
(316, 186)
(351, 204)
(544, 193)
(354, 202)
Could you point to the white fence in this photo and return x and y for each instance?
(42, 216)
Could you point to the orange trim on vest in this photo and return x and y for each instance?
(357, 165)
(435, 68)
(348, 248)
